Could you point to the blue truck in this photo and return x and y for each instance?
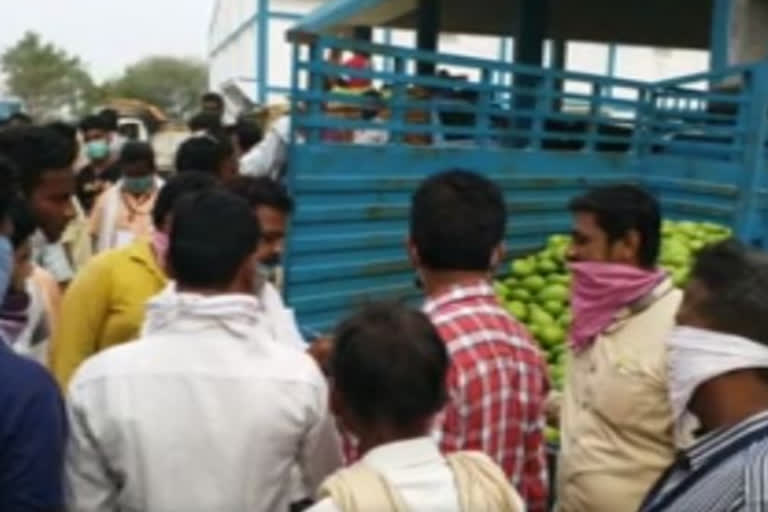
(698, 142)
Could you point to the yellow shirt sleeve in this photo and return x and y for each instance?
(83, 314)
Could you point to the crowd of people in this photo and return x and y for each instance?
(149, 363)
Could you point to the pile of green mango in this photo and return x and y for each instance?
(537, 289)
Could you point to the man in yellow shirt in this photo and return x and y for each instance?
(104, 304)
(616, 417)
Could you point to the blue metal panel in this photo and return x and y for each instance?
(702, 153)
(334, 12)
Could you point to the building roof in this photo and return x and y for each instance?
(660, 23)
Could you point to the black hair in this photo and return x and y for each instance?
(94, 122)
(620, 209)
(248, 134)
(213, 233)
(35, 150)
(8, 180)
(205, 153)
(457, 219)
(21, 118)
(135, 151)
(174, 189)
(736, 280)
(390, 364)
(24, 223)
(64, 129)
(205, 121)
(262, 191)
(213, 97)
(109, 117)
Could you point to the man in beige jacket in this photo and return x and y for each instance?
(616, 418)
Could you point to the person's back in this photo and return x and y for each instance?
(207, 411)
(497, 379)
(389, 370)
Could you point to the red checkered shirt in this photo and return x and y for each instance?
(497, 384)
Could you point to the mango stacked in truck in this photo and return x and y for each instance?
(537, 289)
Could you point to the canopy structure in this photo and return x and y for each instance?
(660, 23)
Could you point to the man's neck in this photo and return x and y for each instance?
(732, 399)
(437, 283)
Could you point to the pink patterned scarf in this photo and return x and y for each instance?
(599, 291)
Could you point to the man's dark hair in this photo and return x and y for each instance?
(248, 134)
(94, 122)
(135, 151)
(213, 97)
(110, 117)
(64, 129)
(390, 365)
(620, 209)
(262, 192)
(177, 187)
(205, 153)
(205, 121)
(20, 118)
(35, 150)
(736, 280)
(213, 233)
(373, 106)
(457, 219)
(24, 223)
(8, 180)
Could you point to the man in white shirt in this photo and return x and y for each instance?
(268, 157)
(389, 370)
(207, 411)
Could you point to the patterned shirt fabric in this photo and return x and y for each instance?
(497, 386)
(725, 471)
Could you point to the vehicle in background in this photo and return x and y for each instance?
(10, 106)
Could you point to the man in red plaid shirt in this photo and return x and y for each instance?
(497, 380)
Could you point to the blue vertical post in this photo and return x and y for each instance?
(610, 68)
(720, 34)
(533, 23)
(559, 63)
(748, 226)
(262, 58)
(428, 22)
(316, 82)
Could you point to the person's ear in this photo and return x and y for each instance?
(497, 255)
(413, 252)
(627, 249)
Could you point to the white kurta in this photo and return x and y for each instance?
(205, 412)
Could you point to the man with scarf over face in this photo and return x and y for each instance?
(616, 417)
(718, 358)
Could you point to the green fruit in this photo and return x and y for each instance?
(554, 307)
(500, 289)
(520, 294)
(518, 309)
(552, 335)
(535, 330)
(556, 292)
(565, 320)
(540, 317)
(534, 283)
(522, 268)
(547, 266)
(552, 435)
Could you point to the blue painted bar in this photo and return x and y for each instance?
(262, 60)
(719, 38)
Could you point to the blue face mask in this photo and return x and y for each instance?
(6, 264)
(97, 149)
(138, 185)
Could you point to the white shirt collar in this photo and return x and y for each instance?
(403, 454)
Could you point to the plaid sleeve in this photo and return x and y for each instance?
(535, 470)
(450, 424)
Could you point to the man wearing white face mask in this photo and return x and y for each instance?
(718, 371)
(616, 418)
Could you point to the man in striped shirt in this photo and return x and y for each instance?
(497, 379)
(718, 371)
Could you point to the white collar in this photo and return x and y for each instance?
(403, 454)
